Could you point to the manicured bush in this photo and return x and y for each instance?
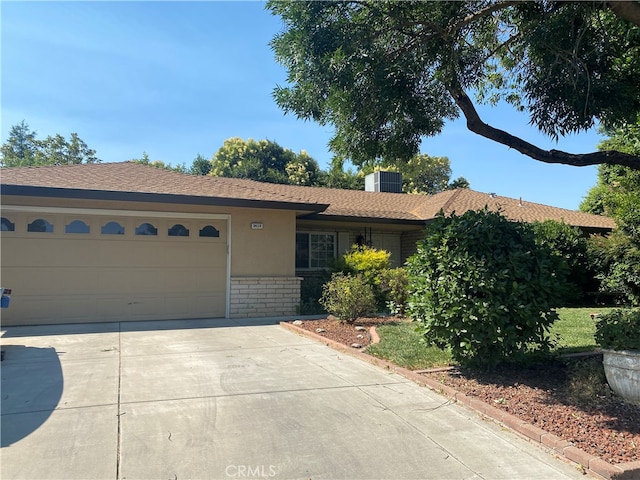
(481, 286)
(619, 330)
(348, 297)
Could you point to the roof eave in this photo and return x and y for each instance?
(72, 193)
(350, 218)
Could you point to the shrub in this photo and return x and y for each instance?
(619, 330)
(370, 263)
(616, 260)
(367, 261)
(481, 286)
(570, 249)
(393, 284)
(348, 297)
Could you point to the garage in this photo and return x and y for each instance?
(68, 265)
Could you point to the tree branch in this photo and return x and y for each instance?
(627, 10)
(482, 13)
(476, 125)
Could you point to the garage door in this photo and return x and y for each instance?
(83, 266)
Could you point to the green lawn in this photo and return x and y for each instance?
(575, 329)
(402, 345)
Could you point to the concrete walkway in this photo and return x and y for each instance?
(223, 399)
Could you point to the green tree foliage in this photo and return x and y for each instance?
(616, 261)
(425, 174)
(22, 149)
(200, 166)
(459, 182)
(570, 250)
(145, 160)
(420, 174)
(338, 177)
(264, 161)
(481, 286)
(617, 191)
(386, 74)
(616, 258)
(303, 170)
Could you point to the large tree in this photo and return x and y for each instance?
(616, 258)
(386, 74)
(22, 149)
(200, 166)
(617, 192)
(265, 161)
(337, 177)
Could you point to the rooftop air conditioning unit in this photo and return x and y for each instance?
(390, 182)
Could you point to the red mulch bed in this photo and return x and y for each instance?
(346, 333)
(543, 395)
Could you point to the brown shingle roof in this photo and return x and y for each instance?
(462, 200)
(130, 177)
(357, 203)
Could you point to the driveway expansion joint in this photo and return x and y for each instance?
(119, 412)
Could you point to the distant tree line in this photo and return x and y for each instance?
(22, 149)
(260, 160)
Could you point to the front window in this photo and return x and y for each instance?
(314, 250)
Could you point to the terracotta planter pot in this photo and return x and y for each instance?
(622, 369)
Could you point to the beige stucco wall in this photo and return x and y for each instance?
(266, 252)
(269, 251)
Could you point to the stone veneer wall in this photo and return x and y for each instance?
(264, 296)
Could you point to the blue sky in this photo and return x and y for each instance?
(175, 79)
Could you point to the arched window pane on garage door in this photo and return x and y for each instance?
(146, 229)
(178, 230)
(112, 228)
(8, 225)
(77, 226)
(40, 225)
(209, 231)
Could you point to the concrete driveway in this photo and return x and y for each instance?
(223, 399)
